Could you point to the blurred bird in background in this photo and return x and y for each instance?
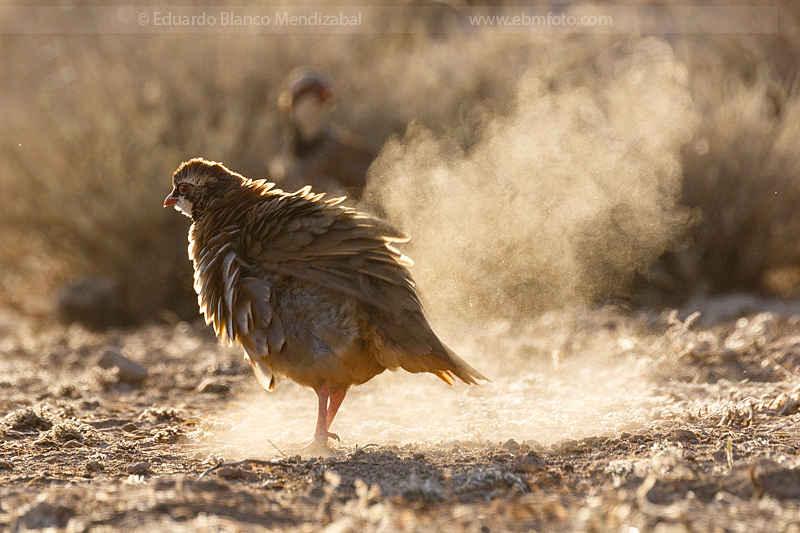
(311, 289)
(315, 152)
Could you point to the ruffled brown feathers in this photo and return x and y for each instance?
(267, 233)
(311, 289)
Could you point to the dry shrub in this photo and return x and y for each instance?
(95, 124)
(742, 179)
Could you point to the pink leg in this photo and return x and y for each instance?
(336, 400)
(321, 434)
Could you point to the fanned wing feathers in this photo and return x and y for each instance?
(255, 234)
(237, 304)
(243, 311)
(334, 247)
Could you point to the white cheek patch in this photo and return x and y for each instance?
(184, 206)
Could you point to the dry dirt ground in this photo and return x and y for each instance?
(700, 433)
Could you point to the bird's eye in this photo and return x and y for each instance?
(183, 188)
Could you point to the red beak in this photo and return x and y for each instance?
(171, 199)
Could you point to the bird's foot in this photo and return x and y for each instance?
(318, 447)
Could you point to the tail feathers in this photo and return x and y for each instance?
(445, 376)
(458, 368)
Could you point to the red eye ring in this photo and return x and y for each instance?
(183, 188)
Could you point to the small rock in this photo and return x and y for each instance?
(43, 515)
(94, 466)
(182, 513)
(529, 463)
(422, 494)
(568, 446)
(534, 445)
(214, 386)
(138, 469)
(5, 465)
(591, 441)
(237, 473)
(316, 493)
(685, 434)
(95, 303)
(511, 445)
(130, 427)
(72, 443)
(129, 371)
(418, 456)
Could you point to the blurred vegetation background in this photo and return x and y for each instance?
(93, 125)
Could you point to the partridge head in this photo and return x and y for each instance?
(311, 290)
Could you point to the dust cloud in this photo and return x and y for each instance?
(563, 375)
(559, 202)
(554, 205)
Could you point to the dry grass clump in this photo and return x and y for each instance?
(26, 419)
(162, 414)
(37, 418)
(737, 375)
(753, 347)
(68, 430)
(54, 423)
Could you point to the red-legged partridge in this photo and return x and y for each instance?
(312, 290)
